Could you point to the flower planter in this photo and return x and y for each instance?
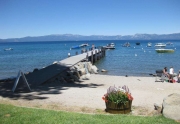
(118, 108)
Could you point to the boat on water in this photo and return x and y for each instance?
(160, 45)
(164, 50)
(149, 44)
(169, 43)
(8, 49)
(82, 45)
(127, 44)
(138, 43)
(109, 46)
(79, 46)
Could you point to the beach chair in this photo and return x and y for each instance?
(160, 76)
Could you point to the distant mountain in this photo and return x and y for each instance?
(71, 37)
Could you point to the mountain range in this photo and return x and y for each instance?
(72, 37)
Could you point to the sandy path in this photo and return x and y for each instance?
(86, 96)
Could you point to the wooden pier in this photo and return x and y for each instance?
(92, 56)
(40, 76)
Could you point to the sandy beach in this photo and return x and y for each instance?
(86, 96)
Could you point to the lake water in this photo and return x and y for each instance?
(137, 60)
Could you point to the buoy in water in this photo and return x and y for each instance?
(69, 54)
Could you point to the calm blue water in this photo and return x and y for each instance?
(122, 61)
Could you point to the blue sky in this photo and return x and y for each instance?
(21, 18)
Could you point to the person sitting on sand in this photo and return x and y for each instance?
(178, 77)
(166, 73)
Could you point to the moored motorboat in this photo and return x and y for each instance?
(160, 45)
(169, 43)
(79, 46)
(138, 43)
(127, 44)
(82, 45)
(109, 46)
(164, 50)
(75, 47)
(8, 49)
(149, 44)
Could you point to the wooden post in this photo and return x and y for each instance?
(101, 52)
(87, 57)
(104, 52)
(95, 55)
(92, 57)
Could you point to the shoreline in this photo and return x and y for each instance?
(86, 96)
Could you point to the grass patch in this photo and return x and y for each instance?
(10, 114)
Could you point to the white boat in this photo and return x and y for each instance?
(164, 50)
(79, 46)
(109, 46)
(8, 49)
(169, 43)
(82, 45)
(160, 45)
(149, 44)
(127, 44)
(112, 45)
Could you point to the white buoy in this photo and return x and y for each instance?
(144, 51)
(135, 54)
(69, 54)
(134, 47)
(142, 48)
(175, 48)
(70, 48)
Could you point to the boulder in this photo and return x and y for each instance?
(171, 107)
(76, 67)
(86, 76)
(81, 65)
(89, 67)
(55, 62)
(94, 69)
(82, 71)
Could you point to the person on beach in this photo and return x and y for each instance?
(178, 77)
(166, 73)
(171, 71)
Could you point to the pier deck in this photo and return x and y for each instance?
(68, 62)
(40, 76)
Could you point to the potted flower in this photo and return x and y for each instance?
(118, 99)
